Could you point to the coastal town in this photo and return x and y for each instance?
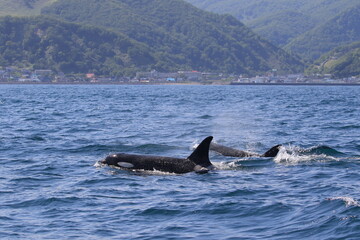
(13, 75)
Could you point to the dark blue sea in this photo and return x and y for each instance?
(52, 185)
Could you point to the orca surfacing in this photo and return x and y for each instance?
(198, 161)
(232, 152)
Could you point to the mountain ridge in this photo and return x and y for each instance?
(341, 62)
(343, 29)
(23, 7)
(179, 36)
(41, 42)
(260, 13)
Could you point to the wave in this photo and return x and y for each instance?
(36, 138)
(96, 148)
(323, 149)
(151, 147)
(42, 201)
(349, 127)
(119, 147)
(349, 201)
(154, 211)
(294, 154)
(206, 116)
(243, 164)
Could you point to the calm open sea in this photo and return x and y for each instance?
(52, 187)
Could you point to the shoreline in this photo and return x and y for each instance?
(182, 84)
(298, 84)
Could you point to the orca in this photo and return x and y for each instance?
(197, 162)
(232, 152)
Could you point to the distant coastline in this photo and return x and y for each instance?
(180, 84)
(300, 84)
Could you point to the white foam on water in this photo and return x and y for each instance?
(293, 155)
(98, 164)
(349, 201)
(230, 165)
(153, 172)
(223, 165)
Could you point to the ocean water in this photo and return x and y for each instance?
(53, 187)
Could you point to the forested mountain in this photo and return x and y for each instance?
(181, 33)
(282, 27)
(45, 43)
(164, 35)
(169, 35)
(22, 7)
(341, 62)
(279, 21)
(340, 30)
(249, 10)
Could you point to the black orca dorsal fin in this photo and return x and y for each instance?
(272, 152)
(200, 155)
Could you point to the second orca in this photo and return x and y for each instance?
(232, 152)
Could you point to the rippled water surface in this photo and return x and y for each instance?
(52, 186)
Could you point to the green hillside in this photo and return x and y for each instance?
(279, 21)
(249, 10)
(341, 30)
(280, 28)
(22, 7)
(182, 34)
(341, 62)
(44, 43)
